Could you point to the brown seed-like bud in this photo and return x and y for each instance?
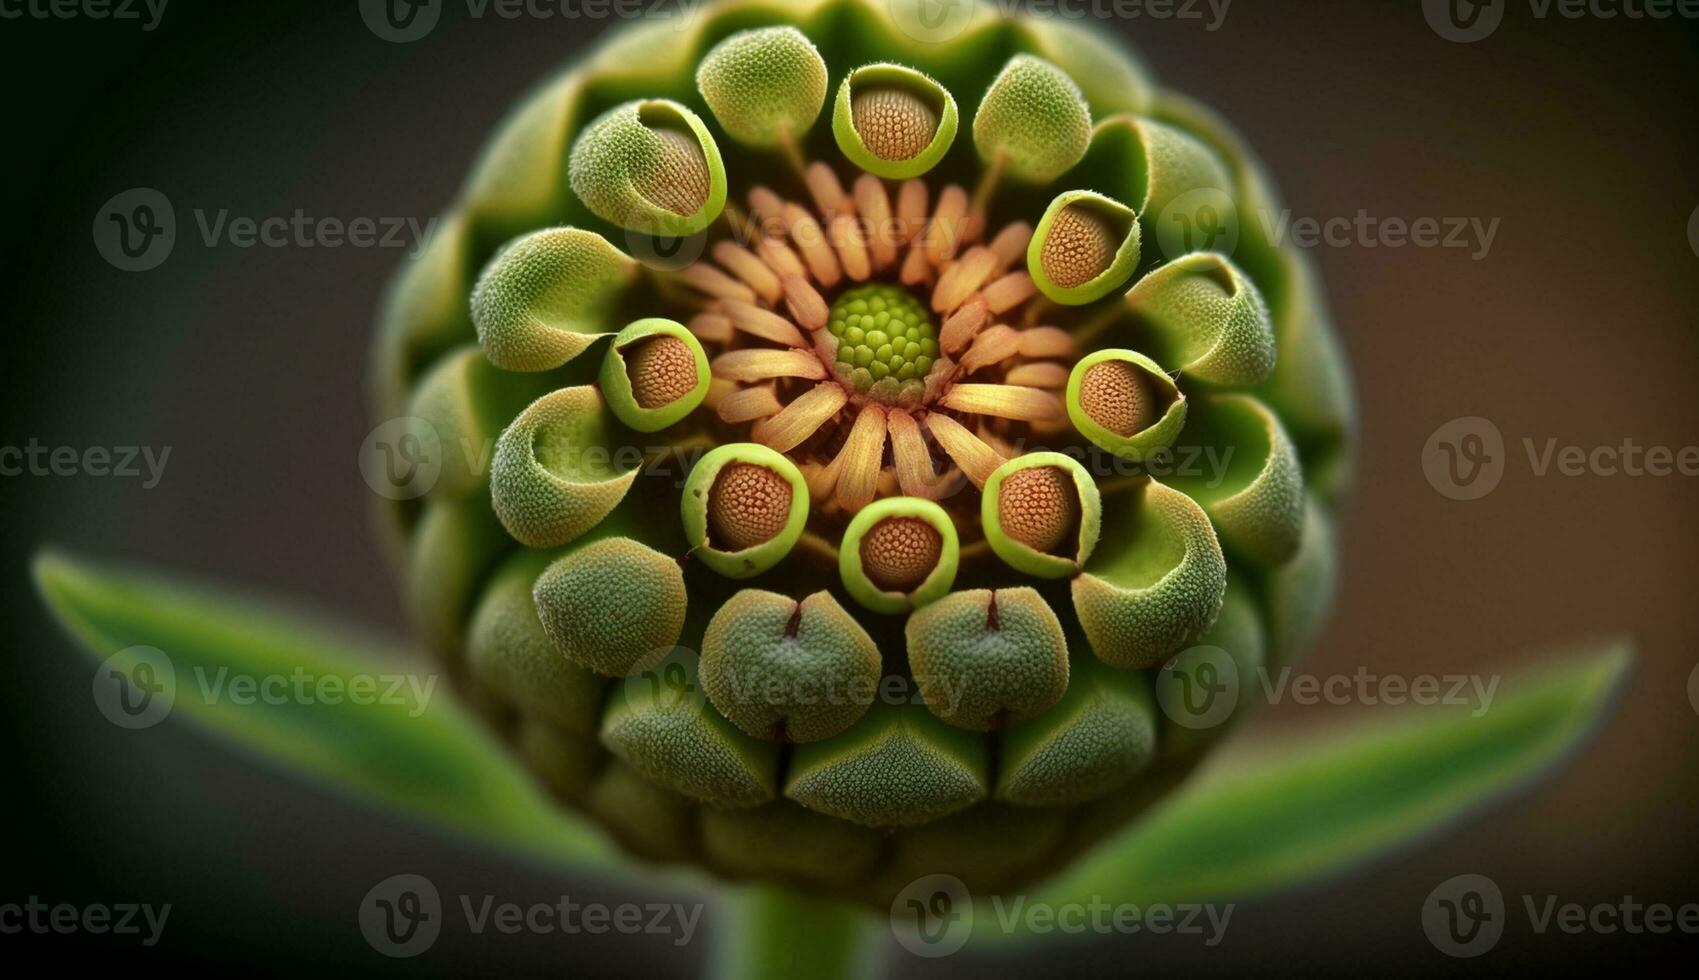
(1079, 247)
(748, 505)
(680, 180)
(662, 370)
(898, 553)
(1118, 397)
(892, 123)
(1039, 507)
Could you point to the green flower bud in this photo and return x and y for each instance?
(853, 381)
(1096, 739)
(511, 654)
(1033, 121)
(659, 723)
(1257, 503)
(744, 507)
(1085, 246)
(650, 166)
(899, 553)
(1042, 514)
(654, 374)
(764, 86)
(1125, 403)
(892, 121)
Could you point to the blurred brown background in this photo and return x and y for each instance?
(1577, 136)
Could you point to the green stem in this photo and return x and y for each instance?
(780, 935)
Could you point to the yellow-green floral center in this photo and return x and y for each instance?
(887, 343)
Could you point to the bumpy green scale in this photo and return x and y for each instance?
(887, 342)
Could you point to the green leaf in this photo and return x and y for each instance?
(1293, 811)
(418, 754)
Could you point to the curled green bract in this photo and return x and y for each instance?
(1161, 588)
(560, 468)
(1207, 320)
(893, 121)
(650, 166)
(548, 296)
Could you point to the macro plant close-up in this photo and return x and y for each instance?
(864, 466)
